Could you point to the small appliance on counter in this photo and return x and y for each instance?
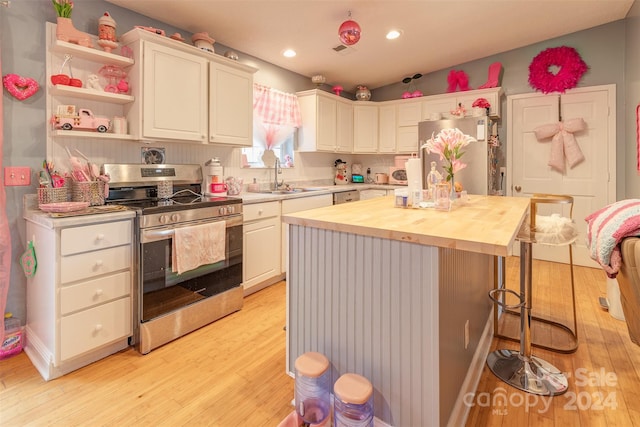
(356, 173)
(381, 178)
(214, 185)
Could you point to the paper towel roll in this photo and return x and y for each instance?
(414, 173)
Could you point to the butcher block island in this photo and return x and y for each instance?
(400, 297)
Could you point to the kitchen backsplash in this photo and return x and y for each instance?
(309, 167)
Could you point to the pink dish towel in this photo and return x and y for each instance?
(198, 245)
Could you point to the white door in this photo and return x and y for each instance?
(591, 183)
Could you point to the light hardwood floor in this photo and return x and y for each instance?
(232, 373)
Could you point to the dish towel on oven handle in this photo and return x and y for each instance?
(198, 245)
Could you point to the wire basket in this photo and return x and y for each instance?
(52, 195)
(88, 191)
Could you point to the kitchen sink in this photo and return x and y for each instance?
(290, 191)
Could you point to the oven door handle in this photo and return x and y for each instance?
(165, 233)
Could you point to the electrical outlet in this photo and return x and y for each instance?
(466, 334)
(17, 175)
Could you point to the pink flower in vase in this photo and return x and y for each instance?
(337, 90)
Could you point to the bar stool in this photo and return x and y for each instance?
(520, 368)
(551, 230)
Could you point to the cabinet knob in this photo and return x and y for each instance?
(517, 188)
(99, 263)
(260, 212)
(100, 237)
(98, 327)
(98, 292)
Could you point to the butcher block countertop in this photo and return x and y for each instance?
(484, 224)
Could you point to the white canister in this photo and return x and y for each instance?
(119, 125)
(213, 174)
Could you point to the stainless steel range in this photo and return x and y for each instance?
(168, 201)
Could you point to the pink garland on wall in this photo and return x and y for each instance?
(571, 68)
(5, 237)
(638, 138)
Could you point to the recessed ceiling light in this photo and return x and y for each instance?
(393, 34)
(289, 53)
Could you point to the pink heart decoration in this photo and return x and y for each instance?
(20, 87)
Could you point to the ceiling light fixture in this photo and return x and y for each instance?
(349, 32)
(393, 34)
(289, 53)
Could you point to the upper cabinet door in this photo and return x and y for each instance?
(365, 128)
(344, 127)
(175, 94)
(230, 105)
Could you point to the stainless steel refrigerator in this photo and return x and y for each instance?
(475, 178)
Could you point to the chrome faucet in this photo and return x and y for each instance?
(277, 170)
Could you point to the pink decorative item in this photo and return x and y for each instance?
(406, 95)
(494, 75)
(452, 79)
(563, 142)
(457, 78)
(107, 32)
(337, 90)
(20, 87)
(115, 76)
(638, 137)
(152, 30)
(481, 102)
(570, 65)
(66, 32)
(349, 32)
(463, 80)
(60, 79)
(416, 94)
(460, 111)
(203, 41)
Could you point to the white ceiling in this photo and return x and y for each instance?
(437, 34)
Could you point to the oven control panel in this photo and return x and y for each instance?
(185, 215)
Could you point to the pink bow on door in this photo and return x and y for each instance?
(563, 144)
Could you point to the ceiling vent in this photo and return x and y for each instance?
(344, 50)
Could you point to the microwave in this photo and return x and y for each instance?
(397, 176)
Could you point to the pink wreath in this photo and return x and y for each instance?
(571, 65)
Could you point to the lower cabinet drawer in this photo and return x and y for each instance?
(94, 292)
(90, 329)
(90, 264)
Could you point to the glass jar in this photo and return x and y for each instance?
(312, 381)
(353, 401)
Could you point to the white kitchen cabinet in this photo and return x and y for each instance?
(365, 127)
(171, 92)
(440, 105)
(446, 103)
(408, 139)
(296, 205)
(185, 94)
(79, 302)
(387, 128)
(327, 122)
(230, 105)
(261, 244)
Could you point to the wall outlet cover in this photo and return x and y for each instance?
(17, 175)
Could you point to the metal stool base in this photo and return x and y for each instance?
(529, 374)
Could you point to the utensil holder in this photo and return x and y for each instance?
(52, 195)
(88, 191)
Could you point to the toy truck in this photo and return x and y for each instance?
(67, 118)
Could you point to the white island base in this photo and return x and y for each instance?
(395, 312)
